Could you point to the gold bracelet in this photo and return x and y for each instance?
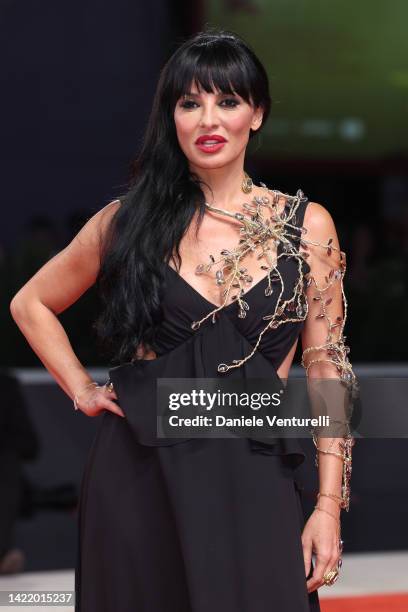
(327, 452)
(78, 395)
(327, 512)
(332, 496)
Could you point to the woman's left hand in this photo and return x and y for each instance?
(321, 535)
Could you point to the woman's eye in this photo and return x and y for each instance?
(189, 104)
(230, 102)
(226, 103)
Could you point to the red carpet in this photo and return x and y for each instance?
(395, 602)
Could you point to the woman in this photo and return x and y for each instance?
(202, 274)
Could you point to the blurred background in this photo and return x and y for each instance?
(77, 83)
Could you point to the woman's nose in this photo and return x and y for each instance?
(209, 116)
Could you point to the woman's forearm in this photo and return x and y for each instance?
(330, 474)
(48, 339)
(330, 398)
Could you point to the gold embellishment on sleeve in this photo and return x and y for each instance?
(334, 351)
(337, 350)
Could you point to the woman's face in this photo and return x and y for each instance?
(213, 128)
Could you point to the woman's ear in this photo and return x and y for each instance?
(257, 119)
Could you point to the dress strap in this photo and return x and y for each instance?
(300, 212)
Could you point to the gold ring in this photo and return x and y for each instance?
(331, 577)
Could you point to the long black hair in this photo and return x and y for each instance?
(163, 196)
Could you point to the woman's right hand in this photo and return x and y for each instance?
(95, 400)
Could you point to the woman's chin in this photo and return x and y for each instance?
(212, 163)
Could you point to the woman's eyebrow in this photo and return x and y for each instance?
(218, 93)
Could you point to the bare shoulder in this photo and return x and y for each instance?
(109, 210)
(318, 221)
(321, 230)
(92, 234)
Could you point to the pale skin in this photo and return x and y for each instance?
(63, 279)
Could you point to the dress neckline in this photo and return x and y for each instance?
(243, 296)
(257, 285)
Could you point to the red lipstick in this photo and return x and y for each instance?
(210, 143)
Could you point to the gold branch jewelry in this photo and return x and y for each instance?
(258, 234)
(247, 184)
(264, 230)
(346, 457)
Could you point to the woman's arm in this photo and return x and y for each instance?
(329, 372)
(55, 287)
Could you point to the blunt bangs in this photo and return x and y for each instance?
(215, 66)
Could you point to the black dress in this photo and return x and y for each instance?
(196, 525)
